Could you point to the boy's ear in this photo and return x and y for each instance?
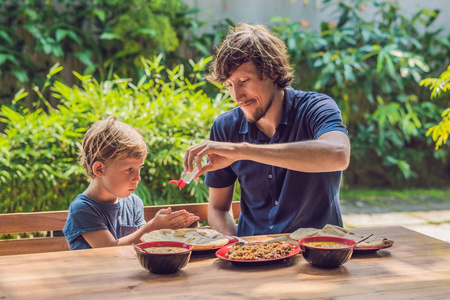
(98, 168)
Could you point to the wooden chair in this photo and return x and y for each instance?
(55, 220)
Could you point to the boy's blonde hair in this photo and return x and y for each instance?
(110, 139)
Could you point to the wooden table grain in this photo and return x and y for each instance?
(416, 267)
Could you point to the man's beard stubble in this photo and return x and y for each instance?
(260, 111)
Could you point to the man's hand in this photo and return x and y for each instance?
(220, 155)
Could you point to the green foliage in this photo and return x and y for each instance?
(91, 37)
(38, 148)
(441, 131)
(372, 66)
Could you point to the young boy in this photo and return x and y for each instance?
(107, 213)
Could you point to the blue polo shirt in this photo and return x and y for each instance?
(273, 199)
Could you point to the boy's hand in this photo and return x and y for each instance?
(165, 218)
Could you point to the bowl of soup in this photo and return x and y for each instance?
(163, 257)
(326, 251)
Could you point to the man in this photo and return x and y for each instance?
(287, 148)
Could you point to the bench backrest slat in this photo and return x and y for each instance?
(32, 222)
(55, 220)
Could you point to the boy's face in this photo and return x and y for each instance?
(120, 178)
(253, 94)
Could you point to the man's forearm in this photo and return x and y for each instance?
(307, 156)
(222, 221)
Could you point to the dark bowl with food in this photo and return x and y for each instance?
(164, 257)
(326, 251)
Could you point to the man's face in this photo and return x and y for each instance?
(253, 95)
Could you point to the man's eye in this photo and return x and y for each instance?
(244, 81)
(129, 169)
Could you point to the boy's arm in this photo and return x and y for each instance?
(104, 238)
(100, 238)
(165, 218)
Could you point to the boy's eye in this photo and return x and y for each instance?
(244, 81)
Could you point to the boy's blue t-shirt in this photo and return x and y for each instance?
(86, 215)
(273, 199)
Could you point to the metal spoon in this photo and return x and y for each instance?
(139, 248)
(277, 239)
(363, 239)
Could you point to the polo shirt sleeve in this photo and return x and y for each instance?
(83, 218)
(324, 116)
(224, 177)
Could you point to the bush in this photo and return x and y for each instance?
(441, 85)
(90, 37)
(372, 67)
(38, 149)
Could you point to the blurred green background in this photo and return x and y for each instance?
(65, 64)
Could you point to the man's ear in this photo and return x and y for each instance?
(98, 169)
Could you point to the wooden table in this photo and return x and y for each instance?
(416, 267)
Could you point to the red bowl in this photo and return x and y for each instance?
(326, 257)
(164, 263)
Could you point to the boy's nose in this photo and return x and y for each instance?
(138, 178)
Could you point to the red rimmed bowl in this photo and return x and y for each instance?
(165, 262)
(323, 257)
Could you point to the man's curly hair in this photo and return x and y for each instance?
(252, 43)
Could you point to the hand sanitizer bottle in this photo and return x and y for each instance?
(186, 178)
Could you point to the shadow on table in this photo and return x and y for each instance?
(257, 266)
(373, 254)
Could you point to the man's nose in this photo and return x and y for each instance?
(238, 93)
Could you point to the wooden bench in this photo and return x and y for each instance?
(55, 221)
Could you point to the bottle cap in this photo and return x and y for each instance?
(180, 183)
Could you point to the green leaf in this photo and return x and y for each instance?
(110, 36)
(348, 73)
(201, 48)
(55, 69)
(11, 58)
(85, 57)
(144, 31)
(20, 95)
(4, 35)
(100, 14)
(20, 75)
(74, 37)
(60, 34)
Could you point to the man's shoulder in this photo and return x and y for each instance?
(307, 96)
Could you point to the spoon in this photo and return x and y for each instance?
(277, 239)
(139, 248)
(363, 239)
